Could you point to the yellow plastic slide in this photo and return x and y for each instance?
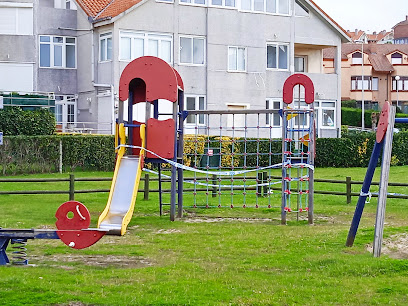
(125, 184)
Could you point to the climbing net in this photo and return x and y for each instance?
(243, 154)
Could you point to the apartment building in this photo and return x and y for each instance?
(380, 72)
(231, 54)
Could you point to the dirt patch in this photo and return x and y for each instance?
(395, 246)
(118, 261)
(214, 220)
(168, 231)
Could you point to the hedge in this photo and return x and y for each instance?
(35, 154)
(15, 121)
(352, 117)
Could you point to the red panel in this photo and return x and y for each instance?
(160, 138)
(81, 216)
(80, 239)
(159, 79)
(298, 79)
(383, 122)
(179, 80)
(136, 138)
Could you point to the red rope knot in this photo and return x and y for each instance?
(301, 192)
(195, 206)
(307, 208)
(307, 191)
(232, 206)
(287, 152)
(256, 206)
(219, 205)
(244, 206)
(300, 209)
(287, 191)
(288, 179)
(269, 205)
(288, 139)
(206, 206)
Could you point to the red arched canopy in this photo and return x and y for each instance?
(298, 79)
(150, 78)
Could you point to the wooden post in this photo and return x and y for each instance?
(214, 188)
(146, 187)
(71, 187)
(265, 181)
(348, 189)
(259, 181)
(382, 193)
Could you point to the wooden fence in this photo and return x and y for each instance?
(146, 186)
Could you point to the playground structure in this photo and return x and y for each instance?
(146, 79)
(244, 164)
(149, 80)
(384, 136)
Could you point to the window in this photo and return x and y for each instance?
(16, 77)
(267, 6)
(136, 44)
(225, 3)
(300, 9)
(300, 63)
(57, 52)
(236, 59)
(16, 20)
(273, 119)
(357, 58)
(396, 58)
(197, 2)
(402, 83)
(236, 121)
(328, 113)
(277, 56)
(65, 4)
(105, 47)
(195, 103)
(370, 83)
(192, 50)
(374, 84)
(65, 111)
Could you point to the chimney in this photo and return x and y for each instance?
(356, 31)
(374, 33)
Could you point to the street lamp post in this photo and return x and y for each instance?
(362, 85)
(397, 78)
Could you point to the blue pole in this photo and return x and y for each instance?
(401, 120)
(364, 190)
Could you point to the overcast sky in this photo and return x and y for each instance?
(367, 15)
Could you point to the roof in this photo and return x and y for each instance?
(377, 54)
(105, 9)
(377, 36)
(356, 35)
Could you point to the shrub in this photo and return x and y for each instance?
(34, 154)
(14, 121)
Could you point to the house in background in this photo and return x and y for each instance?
(382, 37)
(231, 54)
(382, 69)
(401, 32)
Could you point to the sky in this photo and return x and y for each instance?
(366, 15)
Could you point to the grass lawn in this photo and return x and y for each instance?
(211, 256)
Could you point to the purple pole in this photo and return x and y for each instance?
(364, 191)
